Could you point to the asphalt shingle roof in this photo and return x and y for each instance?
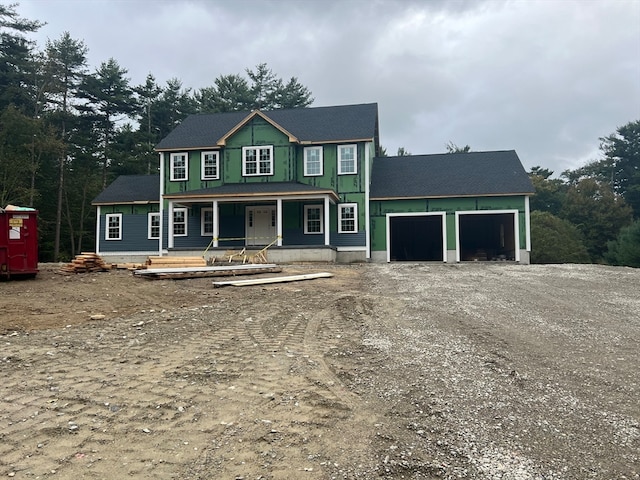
(255, 188)
(318, 124)
(449, 175)
(129, 189)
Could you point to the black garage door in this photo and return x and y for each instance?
(489, 236)
(416, 238)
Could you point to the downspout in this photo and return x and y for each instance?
(527, 224)
(161, 204)
(367, 220)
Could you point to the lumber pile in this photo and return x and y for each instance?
(174, 262)
(208, 271)
(85, 262)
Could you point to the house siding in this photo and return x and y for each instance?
(134, 229)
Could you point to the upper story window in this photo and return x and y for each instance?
(179, 166)
(312, 161)
(257, 161)
(347, 159)
(180, 222)
(153, 231)
(348, 218)
(114, 226)
(209, 166)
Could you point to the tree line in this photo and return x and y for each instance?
(67, 132)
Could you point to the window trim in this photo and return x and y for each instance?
(342, 206)
(203, 211)
(107, 228)
(258, 172)
(355, 159)
(150, 225)
(172, 167)
(321, 156)
(203, 175)
(306, 219)
(186, 223)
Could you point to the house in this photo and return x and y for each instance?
(308, 185)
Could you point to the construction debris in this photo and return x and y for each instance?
(85, 262)
(207, 271)
(262, 281)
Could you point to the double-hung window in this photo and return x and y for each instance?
(209, 166)
(179, 166)
(347, 159)
(113, 229)
(180, 222)
(312, 161)
(313, 219)
(348, 218)
(206, 222)
(153, 223)
(257, 161)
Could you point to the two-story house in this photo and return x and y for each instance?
(307, 184)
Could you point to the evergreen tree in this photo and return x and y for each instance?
(625, 250)
(555, 240)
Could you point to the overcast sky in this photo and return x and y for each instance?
(545, 78)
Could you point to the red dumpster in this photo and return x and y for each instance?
(18, 242)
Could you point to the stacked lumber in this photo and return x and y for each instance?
(85, 262)
(175, 262)
(209, 271)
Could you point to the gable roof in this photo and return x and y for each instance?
(131, 189)
(308, 125)
(449, 175)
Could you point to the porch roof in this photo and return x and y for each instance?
(256, 189)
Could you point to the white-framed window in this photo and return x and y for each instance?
(313, 161)
(206, 222)
(153, 225)
(257, 161)
(348, 218)
(347, 159)
(179, 166)
(113, 230)
(209, 166)
(313, 219)
(180, 222)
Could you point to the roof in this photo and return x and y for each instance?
(307, 125)
(131, 189)
(256, 189)
(449, 175)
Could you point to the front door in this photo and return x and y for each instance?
(260, 225)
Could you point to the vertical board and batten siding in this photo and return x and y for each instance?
(135, 228)
(380, 208)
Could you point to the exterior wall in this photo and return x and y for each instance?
(380, 208)
(134, 229)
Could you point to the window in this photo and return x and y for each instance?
(257, 161)
(114, 226)
(153, 223)
(347, 159)
(209, 162)
(313, 221)
(348, 218)
(206, 222)
(180, 222)
(312, 161)
(179, 166)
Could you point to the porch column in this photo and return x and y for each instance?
(279, 221)
(170, 225)
(216, 227)
(325, 216)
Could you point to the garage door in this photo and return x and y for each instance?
(415, 238)
(487, 236)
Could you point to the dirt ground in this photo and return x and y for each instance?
(402, 371)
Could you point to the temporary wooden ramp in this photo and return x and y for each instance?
(207, 271)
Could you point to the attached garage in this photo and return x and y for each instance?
(416, 237)
(487, 235)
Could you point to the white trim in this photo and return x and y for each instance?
(308, 149)
(98, 213)
(172, 166)
(355, 217)
(106, 226)
(170, 226)
(216, 226)
(351, 249)
(318, 207)
(327, 220)
(203, 156)
(203, 210)
(527, 224)
(355, 159)
(149, 225)
(258, 172)
(162, 169)
(516, 227)
(417, 214)
(367, 218)
(249, 199)
(279, 222)
(186, 222)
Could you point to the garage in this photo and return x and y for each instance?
(487, 236)
(416, 238)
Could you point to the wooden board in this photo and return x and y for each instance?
(198, 272)
(263, 281)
